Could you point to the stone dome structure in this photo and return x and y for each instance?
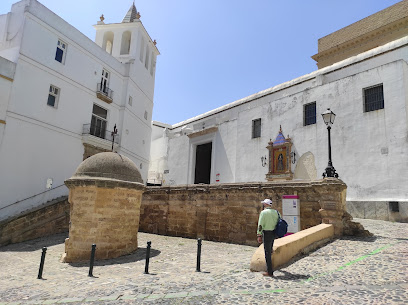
(108, 165)
(105, 196)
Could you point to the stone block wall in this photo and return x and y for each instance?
(229, 212)
(102, 212)
(49, 219)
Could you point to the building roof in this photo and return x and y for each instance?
(132, 14)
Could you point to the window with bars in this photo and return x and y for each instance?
(53, 96)
(373, 98)
(61, 51)
(309, 114)
(256, 128)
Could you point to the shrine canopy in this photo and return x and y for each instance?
(280, 158)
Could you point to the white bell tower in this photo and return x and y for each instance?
(127, 40)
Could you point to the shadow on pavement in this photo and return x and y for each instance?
(138, 255)
(36, 244)
(287, 276)
(369, 239)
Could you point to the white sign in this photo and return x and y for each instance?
(290, 205)
(293, 223)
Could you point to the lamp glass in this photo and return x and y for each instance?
(328, 117)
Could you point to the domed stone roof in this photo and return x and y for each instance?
(109, 165)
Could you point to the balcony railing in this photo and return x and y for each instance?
(104, 93)
(89, 129)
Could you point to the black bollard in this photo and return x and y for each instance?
(198, 255)
(149, 244)
(40, 271)
(91, 263)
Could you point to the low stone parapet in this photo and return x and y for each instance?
(286, 248)
(229, 212)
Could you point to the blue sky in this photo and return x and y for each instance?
(214, 52)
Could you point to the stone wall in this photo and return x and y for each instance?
(395, 13)
(229, 212)
(47, 220)
(105, 213)
(223, 212)
(378, 29)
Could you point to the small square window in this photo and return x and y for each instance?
(256, 128)
(130, 102)
(373, 98)
(61, 51)
(309, 114)
(53, 96)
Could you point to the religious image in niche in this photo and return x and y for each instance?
(280, 166)
(279, 160)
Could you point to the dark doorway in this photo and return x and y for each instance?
(203, 163)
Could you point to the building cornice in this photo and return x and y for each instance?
(399, 25)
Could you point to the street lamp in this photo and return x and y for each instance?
(328, 118)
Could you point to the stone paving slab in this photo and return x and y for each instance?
(349, 270)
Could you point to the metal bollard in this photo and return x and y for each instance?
(149, 244)
(91, 264)
(198, 255)
(40, 271)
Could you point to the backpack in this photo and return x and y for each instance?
(281, 227)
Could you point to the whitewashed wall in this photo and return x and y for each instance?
(369, 149)
(41, 142)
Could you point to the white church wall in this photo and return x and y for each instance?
(368, 148)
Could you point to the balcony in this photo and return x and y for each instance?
(104, 93)
(99, 137)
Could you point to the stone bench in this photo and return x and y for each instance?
(284, 249)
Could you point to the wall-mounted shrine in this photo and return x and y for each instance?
(280, 158)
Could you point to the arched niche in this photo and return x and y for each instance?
(142, 48)
(108, 42)
(306, 168)
(125, 43)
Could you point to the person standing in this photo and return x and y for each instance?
(267, 222)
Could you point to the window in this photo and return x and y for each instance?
(373, 98)
(309, 114)
(130, 100)
(256, 128)
(53, 95)
(145, 115)
(61, 51)
(105, 81)
(98, 122)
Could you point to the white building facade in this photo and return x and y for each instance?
(368, 93)
(63, 96)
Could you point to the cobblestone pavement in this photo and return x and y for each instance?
(346, 271)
